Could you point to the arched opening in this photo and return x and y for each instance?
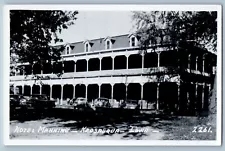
(206, 98)
(68, 91)
(20, 69)
(150, 60)
(56, 91)
(106, 90)
(200, 63)
(80, 90)
(27, 90)
(119, 91)
(68, 66)
(193, 62)
(27, 69)
(107, 63)
(120, 62)
(57, 67)
(36, 89)
(134, 91)
(18, 89)
(150, 92)
(135, 61)
(168, 95)
(92, 92)
(46, 89)
(81, 65)
(11, 89)
(93, 64)
(36, 68)
(47, 68)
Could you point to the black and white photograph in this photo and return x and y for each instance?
(113, 75)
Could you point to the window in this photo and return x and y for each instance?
(67, 50)
(86, 47)
(107, 44)
(132, 40)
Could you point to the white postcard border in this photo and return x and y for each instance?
(6, 58)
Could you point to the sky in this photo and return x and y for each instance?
(98, 24)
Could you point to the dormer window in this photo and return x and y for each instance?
(133, 40)
(108, 44)
(86, 47)
(67, 50)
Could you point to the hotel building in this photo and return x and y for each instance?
(176, 76)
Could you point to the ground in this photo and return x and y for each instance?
(151, 126)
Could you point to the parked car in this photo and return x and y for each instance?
(40, 101)
(77, 101)
(102, 102)
(17, 100)
(130, 104)
(83, 107)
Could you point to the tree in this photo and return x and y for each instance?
(32, 32)
(157, 28)
(160, 27)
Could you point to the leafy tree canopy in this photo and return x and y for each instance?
(157, 27)
(32, 31)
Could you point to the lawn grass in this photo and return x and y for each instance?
(182, 128)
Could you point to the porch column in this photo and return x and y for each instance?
(196, 63)
(127, 56)
(203, 94)
(113, 62)
(50, 91)
(158, 64)
(100, 59)
(189, 62)
(22, 89)
(61, 100)
(142, 90)
(31, 89)
(74, 91)
(40, 88)
(157, 101)
(143, 60)
(196, 88)
(74, 66)
(112, 90)
(87, 63)
(99, 90)
(14, 89)
(23, 70)
(126, 84)
(203, 64)
(86, 91)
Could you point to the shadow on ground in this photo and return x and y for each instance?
(131, 125)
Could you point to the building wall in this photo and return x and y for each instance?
(152, 80)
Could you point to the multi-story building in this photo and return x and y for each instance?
(175, 76)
